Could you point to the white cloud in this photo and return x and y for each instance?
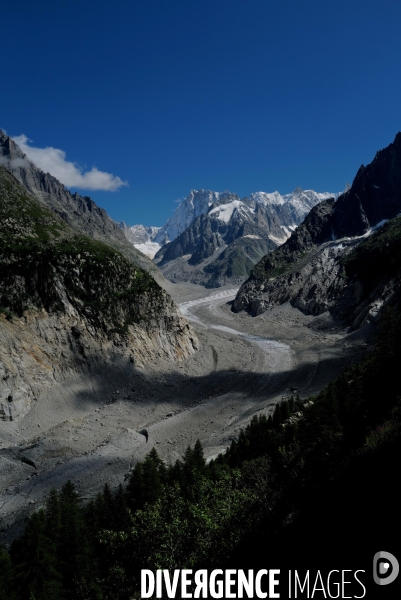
(52, 160)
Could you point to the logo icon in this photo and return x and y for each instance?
(385, 568)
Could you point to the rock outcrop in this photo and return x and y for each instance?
(312, 270)
(222, 244)
(375, 194)
(69, 304)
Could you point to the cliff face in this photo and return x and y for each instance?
(221, 245)
(312, 270)
(70, 304)
(375, 194)
(81, 212)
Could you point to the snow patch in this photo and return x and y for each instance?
(368, 232)
(380, 224)
(224, 212)
(372, 229)
(286, 230)
(274, 198)
(277, 240)
(148, 248)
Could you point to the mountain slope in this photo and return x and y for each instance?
(223, 243)
(312, 270)
(78, 211)
(70, 304)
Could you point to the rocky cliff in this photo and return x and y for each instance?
(222, 244)
(326, 262)
(375, 194)
(81, 212)
(70, 304)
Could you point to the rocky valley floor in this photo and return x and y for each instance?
(87, 429)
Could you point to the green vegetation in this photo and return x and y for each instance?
(238, 258)
(44, 263)
(378, 256)
(193, 515)
(280, 262)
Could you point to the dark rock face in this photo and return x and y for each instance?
(315, 230)
(375, 194)
(312, 269)
(81, 212)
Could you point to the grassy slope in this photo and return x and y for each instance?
(38, 249)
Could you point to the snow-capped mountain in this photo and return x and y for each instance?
(196, 203)
(139, 234)
(150, 239)
(299, 202)
(141, 237)
(200, 202)
(345, 256)
(213, 237)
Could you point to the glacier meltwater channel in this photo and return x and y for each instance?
(279, 355)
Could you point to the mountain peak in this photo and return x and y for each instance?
(373, 196)
(308, 269)
(78, 211)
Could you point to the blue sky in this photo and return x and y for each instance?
(169, 95)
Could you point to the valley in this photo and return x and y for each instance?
(200, 300)
(86, 427)
(109, 375)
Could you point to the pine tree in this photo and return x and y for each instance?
(146, 482)
(198, 457)
(36, 562)
(78, 566)
(53, 523)
(122, 520)
(6, 575)
(285, 410)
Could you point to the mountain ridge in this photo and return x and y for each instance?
(309, 269)
(70, 304)
(81, 212)
(226, 235)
